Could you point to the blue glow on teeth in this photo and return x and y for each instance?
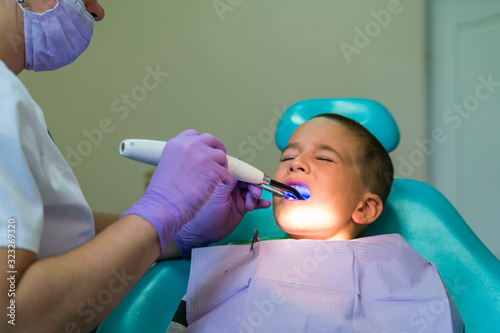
(290, 196)
(302, 189)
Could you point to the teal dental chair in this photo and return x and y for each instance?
(417, 211)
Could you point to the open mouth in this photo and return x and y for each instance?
(301, 188)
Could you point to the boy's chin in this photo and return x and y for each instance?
(310, 224)
(305, 231)
(312, 234)
(304, 219)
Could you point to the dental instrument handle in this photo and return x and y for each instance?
(245, 172)
(150, 151)
(144, 151)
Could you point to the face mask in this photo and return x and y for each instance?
(58, 36)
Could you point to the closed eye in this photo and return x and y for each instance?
(286, 158)
(322, 158)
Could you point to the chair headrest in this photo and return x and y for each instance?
(371, 114)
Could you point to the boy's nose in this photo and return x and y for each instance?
(297, 165)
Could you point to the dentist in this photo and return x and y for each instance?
(59, 262)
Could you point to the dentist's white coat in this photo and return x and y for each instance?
(37, 187)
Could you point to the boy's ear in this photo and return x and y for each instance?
(368, 209)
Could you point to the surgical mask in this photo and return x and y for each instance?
(58, 36)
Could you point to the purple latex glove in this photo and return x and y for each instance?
(222, 213)
(191, 166)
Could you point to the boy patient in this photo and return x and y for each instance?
(330, 280)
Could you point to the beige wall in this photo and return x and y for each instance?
(229, 73)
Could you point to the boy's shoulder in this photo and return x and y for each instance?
(387, 243)
(396, 239)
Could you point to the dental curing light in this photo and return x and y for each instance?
(150, 151)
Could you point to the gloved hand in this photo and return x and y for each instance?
(191, 166)
(222, 213)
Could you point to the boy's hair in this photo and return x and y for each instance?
(372, 159)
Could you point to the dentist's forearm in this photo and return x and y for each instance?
(103, 220)
(78, 289)
(171, 251)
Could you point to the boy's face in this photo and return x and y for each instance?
(320, 155)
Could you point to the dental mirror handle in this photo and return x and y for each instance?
(150, 151)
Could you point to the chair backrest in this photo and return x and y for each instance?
(371, 114)
(417, 211)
